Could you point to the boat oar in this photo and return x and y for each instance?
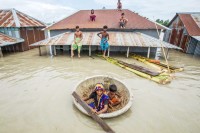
(93, 115)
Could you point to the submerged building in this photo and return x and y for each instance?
(139, 35)
(18, 31)
(185, 32)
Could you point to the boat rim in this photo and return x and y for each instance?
(106, 115)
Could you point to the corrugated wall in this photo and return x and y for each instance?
(197, 50)
(31, 35)
(192, 46)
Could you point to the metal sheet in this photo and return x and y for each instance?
(6, 40)
(14, 18)
(134, 39)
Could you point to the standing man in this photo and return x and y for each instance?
(119, 5)
(78, 36)
(104, 39)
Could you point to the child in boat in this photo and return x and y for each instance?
(114, 99)
(92, 15)
(78, 36)
(123, 21)
(104, 40)
(119, 5)
(100, 104)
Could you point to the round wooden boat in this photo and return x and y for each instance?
(85, 87)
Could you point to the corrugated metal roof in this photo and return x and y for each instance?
(8, 40)
(14, 18)
(191, 23)
(135, 39)
(104, 17)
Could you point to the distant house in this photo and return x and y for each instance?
(140, 34)
(16, 25)
(185, 32)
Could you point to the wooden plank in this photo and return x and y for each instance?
(139, 68)
(40, 53)
(1, 53)
(93, 115)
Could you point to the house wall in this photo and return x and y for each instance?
(11, 31)
(197, 50)
(30, 36)
(178, 35)
(192, 46)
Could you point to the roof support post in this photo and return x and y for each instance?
(108, 51)
(40, 53)
(50, 50)
(13, 48)
(90, 50)
(127, 54)
(1, 53)
(148, 54)
(167, 53)
(54, 49)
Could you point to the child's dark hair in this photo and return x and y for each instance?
(92, 11)
(77, 27)
(122, 14)
(105, 27)
(113, 88)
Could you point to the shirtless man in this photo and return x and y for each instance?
(78, 36)
(104, 40)
(123, 21)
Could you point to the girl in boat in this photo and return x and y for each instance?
(100, 104)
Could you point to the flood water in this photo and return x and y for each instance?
(35, 96)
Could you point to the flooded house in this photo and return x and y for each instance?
(18, 31)
(139, 35)
(185, 32)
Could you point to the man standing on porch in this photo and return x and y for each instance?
(104, 40)
(78, 36)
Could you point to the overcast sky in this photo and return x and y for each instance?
(54, 10)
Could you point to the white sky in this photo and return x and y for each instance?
(54, 10)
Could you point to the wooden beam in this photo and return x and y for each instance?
(167, 53)
(90, 53)
(148, 54)
(108, 51)
(1, 53)
(54, 49)
(93, 115)
(127, 54)
(40, 53)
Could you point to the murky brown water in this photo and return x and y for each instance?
(35, 96)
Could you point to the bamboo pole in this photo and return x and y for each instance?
(162, 48)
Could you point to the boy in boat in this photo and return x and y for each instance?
(100, 104)
(78, 36)
(119, 5)
(104, 39)
(123, 21)
(114, 99)
(92, 15)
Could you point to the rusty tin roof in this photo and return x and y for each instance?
(8, 40)
(109, 17)
(15, 18)
(134, 39)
